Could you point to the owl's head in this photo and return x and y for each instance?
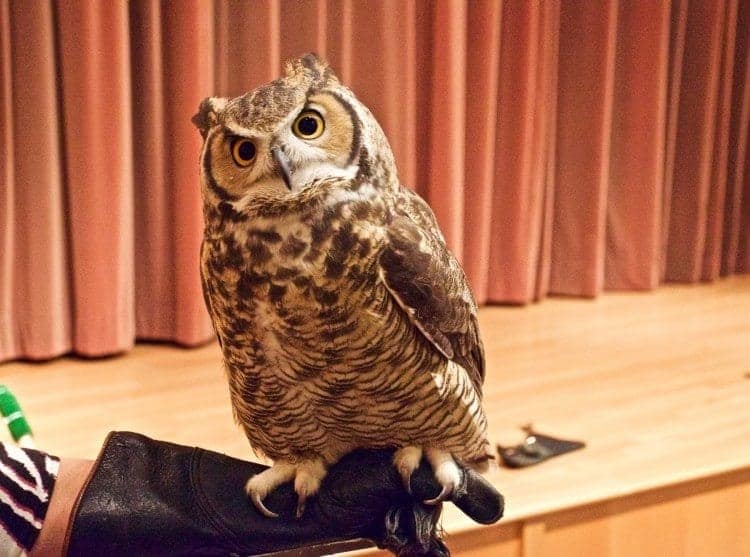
(275, 141)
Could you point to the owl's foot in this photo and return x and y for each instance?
(446, 472)
(260, 485)
(307, 475)
(310, 474)
(406, 460)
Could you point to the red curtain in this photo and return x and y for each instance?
(567, 147)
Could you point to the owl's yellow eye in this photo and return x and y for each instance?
(309, 125)
(243, 151)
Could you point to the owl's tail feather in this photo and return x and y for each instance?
(412, 530)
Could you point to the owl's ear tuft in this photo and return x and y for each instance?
(315, 66)
(314, 62)
(206, 117)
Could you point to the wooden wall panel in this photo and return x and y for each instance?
(704, 518)
(498, 541)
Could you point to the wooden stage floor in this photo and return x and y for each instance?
(657, 384)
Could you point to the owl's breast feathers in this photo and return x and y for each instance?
(309, 267)
(341, 323)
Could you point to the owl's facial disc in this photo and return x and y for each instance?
(280, 139)
(315, 142)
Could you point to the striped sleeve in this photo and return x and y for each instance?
(27, 478)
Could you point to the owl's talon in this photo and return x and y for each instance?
(447, 473)
(260, 485)
(258, 502)
(407, 483)
(406, 460)
(310, 474)
(301, 503)
(444, 494)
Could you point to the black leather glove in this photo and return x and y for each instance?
(147, 497)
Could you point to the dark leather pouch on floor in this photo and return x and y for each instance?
(535, 449)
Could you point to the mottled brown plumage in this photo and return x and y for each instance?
(344, 320)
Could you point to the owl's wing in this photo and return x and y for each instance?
(428, 283)
(206, 288)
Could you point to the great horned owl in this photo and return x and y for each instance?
(344, 320)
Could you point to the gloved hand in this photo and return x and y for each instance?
(147, 497)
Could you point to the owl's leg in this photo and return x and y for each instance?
(310, 474)
(260, 485)
(446, 472)
(406, 460)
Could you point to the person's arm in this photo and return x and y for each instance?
(27, 481)
(70, 480)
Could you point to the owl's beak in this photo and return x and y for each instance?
(284, 165)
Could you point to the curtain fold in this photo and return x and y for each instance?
(734, 245)
(584, 135)
(153, 274)
(694, 142)
(638, 139)
(95, 100)
(484, 17)
(188, 63)
(567, 148)
(718, 188)
(37, 312)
